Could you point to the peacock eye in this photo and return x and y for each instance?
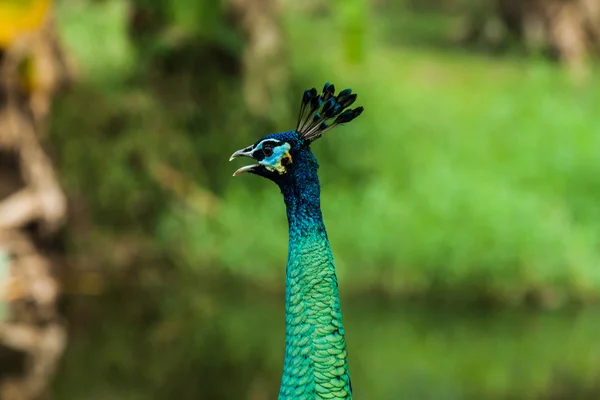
(267, 149)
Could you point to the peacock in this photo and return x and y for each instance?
(316, 364)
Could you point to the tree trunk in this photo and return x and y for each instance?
(265, 67)
(32, 206)
(567, 29)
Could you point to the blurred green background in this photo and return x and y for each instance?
(462, 207)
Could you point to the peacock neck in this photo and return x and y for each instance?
(316, 364)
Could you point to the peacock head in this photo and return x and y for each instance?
(280, 156)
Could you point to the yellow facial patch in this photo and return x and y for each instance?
(279, 160)
(281, 166)
(286, 159)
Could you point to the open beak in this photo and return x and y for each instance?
(247, 152)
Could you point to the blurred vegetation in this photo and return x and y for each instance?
(470, 179)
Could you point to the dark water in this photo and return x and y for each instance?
(416, 352)
(225, 348)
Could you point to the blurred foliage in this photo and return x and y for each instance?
(475, 178)
(468, 179)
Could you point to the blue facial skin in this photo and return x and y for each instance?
(279, 158)
(303, 166)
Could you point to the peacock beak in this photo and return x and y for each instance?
(247, 152)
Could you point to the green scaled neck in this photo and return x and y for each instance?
(316, 365)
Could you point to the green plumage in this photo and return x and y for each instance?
(316, 364)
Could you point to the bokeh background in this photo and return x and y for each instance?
(463, 206)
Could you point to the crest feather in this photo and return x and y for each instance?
(322, 112)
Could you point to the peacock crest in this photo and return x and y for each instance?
(322, 112)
